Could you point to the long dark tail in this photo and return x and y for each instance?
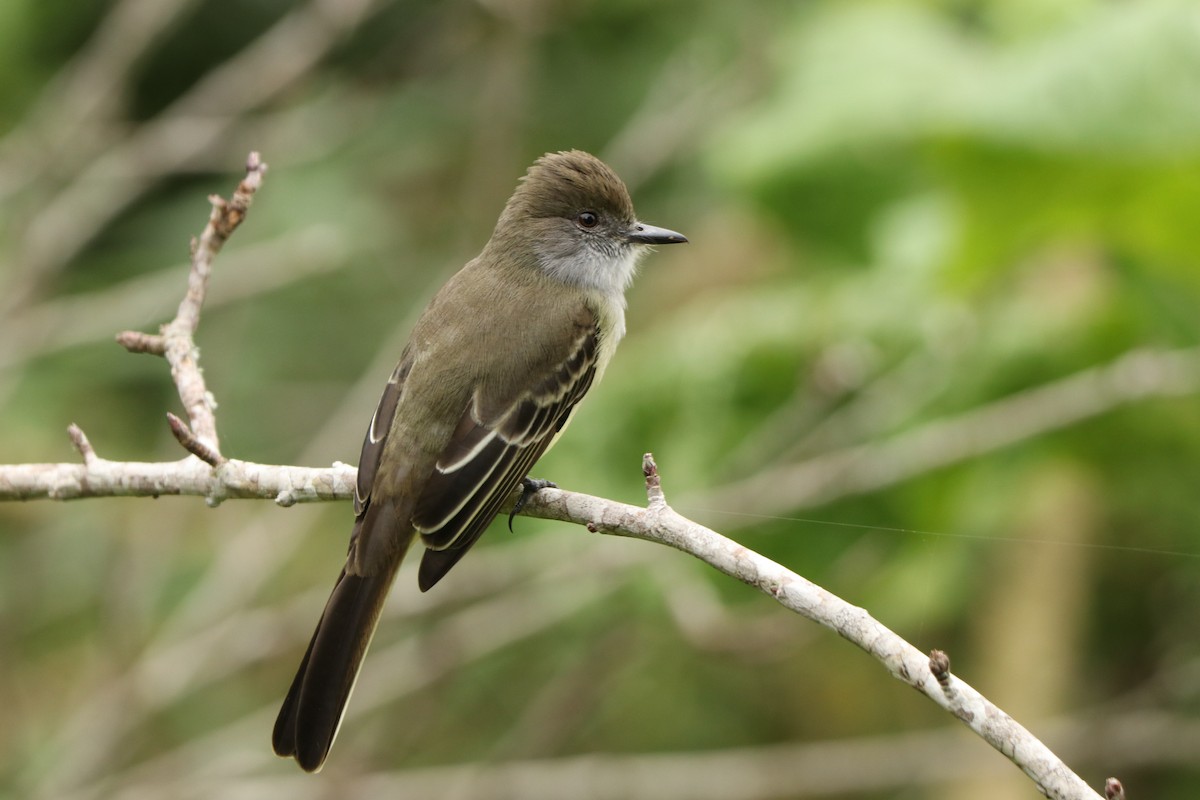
(312, 711)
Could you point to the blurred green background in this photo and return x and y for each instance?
(935, 344)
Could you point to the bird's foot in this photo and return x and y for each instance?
(529, 487)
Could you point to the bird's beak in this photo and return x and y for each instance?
(648, 234)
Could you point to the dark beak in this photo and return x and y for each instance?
(648, 234)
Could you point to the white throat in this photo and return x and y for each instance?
(595, 269)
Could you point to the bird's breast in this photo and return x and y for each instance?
(610, 320)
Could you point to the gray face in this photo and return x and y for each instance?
(600, 256)
(575, 214)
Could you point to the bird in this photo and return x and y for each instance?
(492, 373)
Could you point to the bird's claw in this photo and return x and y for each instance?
(529, 487)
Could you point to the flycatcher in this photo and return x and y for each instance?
(490, 377)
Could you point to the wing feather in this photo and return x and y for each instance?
(470, 526)
(377, 431)
(487, 458)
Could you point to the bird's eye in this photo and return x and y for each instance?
(587, 219)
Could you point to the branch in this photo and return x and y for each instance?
(209, 474)
(176, 342)
(231, 480)
(928, 674)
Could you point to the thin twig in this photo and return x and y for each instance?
(176, 342)
(82, 445)
(199, 449)
(139, 342)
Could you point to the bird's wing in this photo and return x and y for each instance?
(377, 431)
(381, 534)
(492, 450)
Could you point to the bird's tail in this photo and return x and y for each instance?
(312, 711)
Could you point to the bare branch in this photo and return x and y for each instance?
(176, 341)
(208, 474)
(232, 479)
(226, 216)
(658, 522)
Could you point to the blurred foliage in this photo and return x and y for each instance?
(900, 213)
